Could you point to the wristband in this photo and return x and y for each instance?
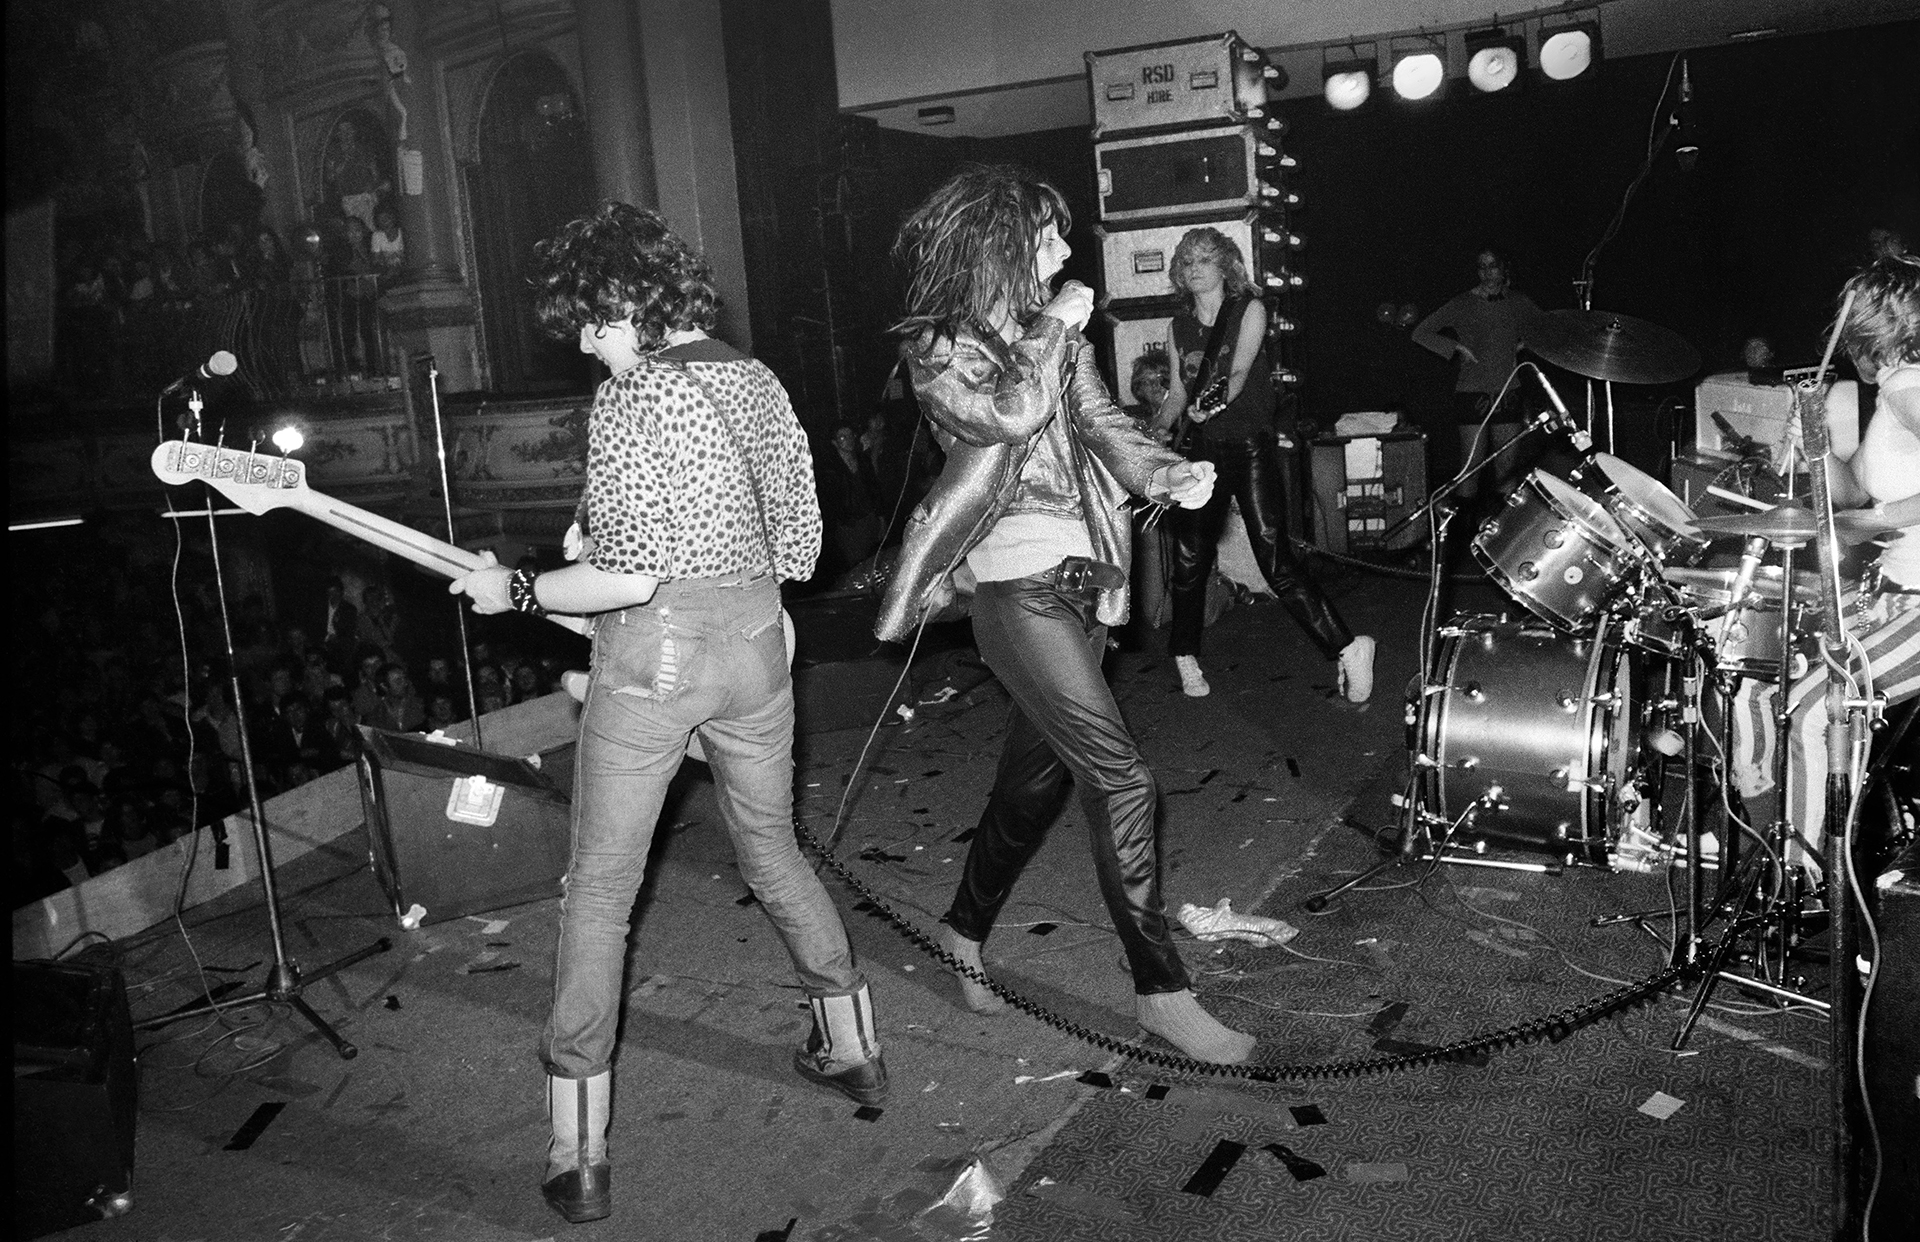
(520, 592)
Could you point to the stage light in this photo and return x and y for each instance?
(44, 524)
(1569, 51)
(1494, 59)
(1419, 67)
(1349, 83)
(288, 439)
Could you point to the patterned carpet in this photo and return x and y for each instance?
(1549, 1141)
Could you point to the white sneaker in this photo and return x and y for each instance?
(1192, 681)
(1356, 670)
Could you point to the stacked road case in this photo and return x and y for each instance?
(1183, 137)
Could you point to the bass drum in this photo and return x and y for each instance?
(1550, 719)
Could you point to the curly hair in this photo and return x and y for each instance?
(969, 250)
(622, 262)
(1882, 327)
(1208, 243)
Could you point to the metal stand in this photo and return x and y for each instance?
(446, 502)
(285, 982)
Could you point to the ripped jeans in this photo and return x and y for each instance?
(704, 654)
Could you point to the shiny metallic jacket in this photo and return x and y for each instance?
(998, 409)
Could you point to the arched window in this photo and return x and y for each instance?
(534, 175)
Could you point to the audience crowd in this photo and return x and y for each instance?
(120, 747)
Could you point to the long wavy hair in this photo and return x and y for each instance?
(622, 262)
(1199, 245)
(969, 249)
(1882, 327)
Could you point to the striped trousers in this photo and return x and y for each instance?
(1887, 625)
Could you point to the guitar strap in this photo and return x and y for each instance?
(1233, 311)
(746, 461)
(1187, 438)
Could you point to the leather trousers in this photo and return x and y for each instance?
(1045, 646)
(1247, 471)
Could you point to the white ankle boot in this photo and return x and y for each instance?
(1193, 682)
(577, 1183)
(843, 1050)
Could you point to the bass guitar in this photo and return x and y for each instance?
(261, 482)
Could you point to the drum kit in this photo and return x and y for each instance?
(1558, 732)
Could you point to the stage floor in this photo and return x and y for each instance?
(1273, 787)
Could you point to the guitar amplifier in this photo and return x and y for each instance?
(1136, 264)
(455, 831)
(73, 1094)
(1363, 486)
(1187, 82)
(1216, 171)
(1757, 412)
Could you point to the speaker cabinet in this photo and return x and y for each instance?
(1363, 486)
(1219, 171)
(1892, 1064)
(456, 831)
(73, 1094)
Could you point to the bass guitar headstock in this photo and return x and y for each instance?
(256, 482)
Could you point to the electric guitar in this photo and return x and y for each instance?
(1211, 399)
(262, 482)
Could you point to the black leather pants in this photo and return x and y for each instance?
(1045, 646)
(1249, 471)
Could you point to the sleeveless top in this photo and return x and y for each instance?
(1888, 466)
(1251, 414)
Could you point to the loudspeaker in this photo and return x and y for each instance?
(455, 831)
(1363, 485)
(1206, 172)
(1892, 1064)
(73, 1094)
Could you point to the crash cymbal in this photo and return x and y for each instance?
(1864, 522)
(1603, 345)
(1782, 522)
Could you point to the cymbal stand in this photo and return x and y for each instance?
(285, 982)
(1778, 918)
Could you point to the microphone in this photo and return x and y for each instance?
(1742, 583)
(1560, 417)
(221, 365)
(1686, 151)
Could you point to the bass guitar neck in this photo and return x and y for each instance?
(261, 482)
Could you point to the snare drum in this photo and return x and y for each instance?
(1650, 514)
(1555, 551)
(1548, 718)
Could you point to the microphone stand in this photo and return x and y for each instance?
(284, 981)
(446, 501)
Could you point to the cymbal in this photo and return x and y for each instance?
(1782, 522)
(1863, 522)
(1603, 345)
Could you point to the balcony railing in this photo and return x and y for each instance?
(287, 335)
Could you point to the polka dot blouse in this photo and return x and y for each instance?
(668, 491)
